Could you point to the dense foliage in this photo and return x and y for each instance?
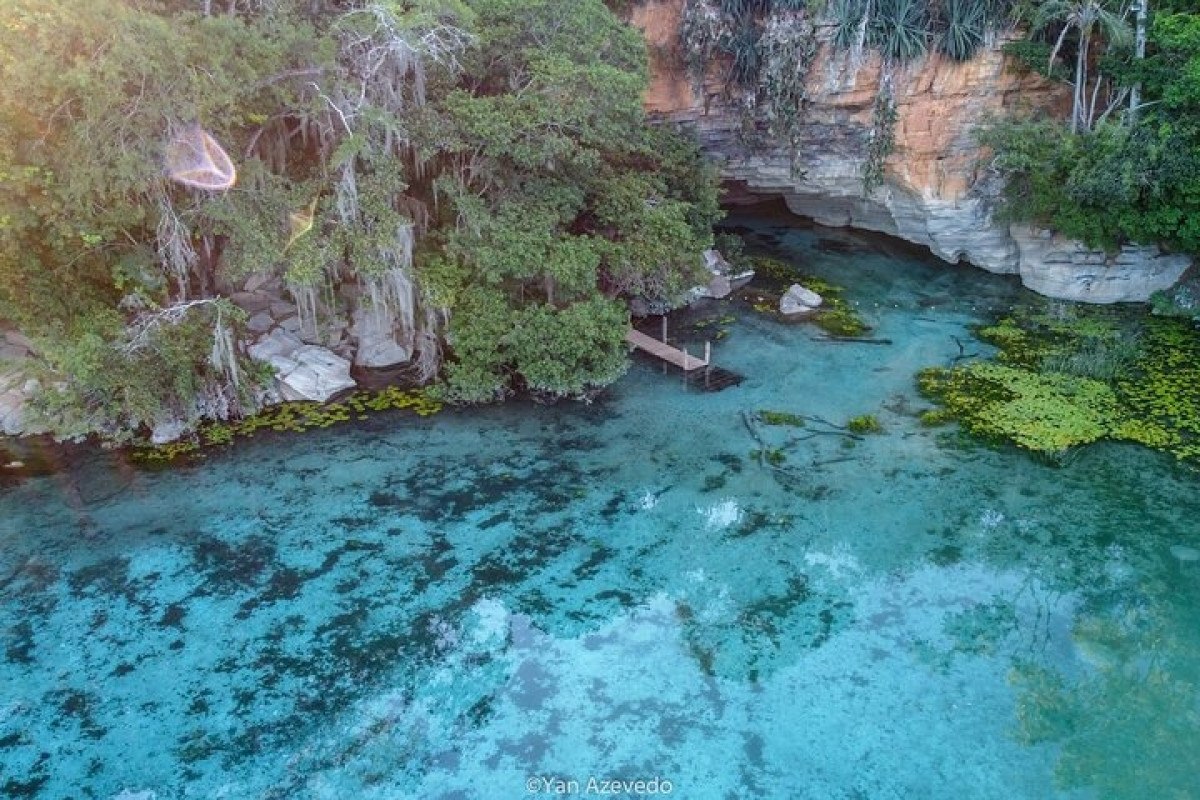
(1126, 167)
(480, 167)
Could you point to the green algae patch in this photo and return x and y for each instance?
(1068, 378)
(782, 418)
(836, 316)
(1046, 413)
(295, 417)
(864, 423)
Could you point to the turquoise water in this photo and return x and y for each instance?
(498, 602)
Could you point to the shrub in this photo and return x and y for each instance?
(965, 24)
(900, 29)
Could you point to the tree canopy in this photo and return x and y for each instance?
(482, 167)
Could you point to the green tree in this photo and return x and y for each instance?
(1088, 20)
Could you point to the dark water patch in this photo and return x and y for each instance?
(380, 499)
(31, 786)
(80, 706)
(600, 556)
(615, 506)
(30, 577)
(621, 598)
(172, 616)
(434, 563)
(227, 567)
(946, 555)
(493, 521)
(107, 577)
(18, 644)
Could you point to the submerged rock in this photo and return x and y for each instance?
(799, 300)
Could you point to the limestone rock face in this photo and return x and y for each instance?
(799, 300)
(936, 190)
(1060, 267)
(376, 336)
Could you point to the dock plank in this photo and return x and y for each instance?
(666, 352)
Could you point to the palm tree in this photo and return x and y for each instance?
(1087, 18)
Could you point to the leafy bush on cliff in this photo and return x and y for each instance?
(466, 148)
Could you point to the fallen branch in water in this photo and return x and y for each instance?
(849, 340)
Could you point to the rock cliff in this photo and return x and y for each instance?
(936, 190)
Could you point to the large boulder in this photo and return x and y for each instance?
(798, 300)
(278, 342)
(725, 279)
(303, 371)
(312, 373)
(375, 333)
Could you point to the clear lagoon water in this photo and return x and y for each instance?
(485, 602)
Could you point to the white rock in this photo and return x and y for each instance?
(292, 324)
(312, 373)
(167, 431)
(718, 288)
(798, 300)
(377, 344)
(716, 262)
(1059, 267)
(278, 342)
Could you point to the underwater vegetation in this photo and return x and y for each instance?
(864, 423)
(1064, 377)
(295, 418)
(836, 316)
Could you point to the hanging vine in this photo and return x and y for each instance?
(768, 47)
(881, 140)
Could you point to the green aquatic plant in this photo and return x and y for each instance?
(1065, 376)
(779, 418)
(840, 320)
(771, 455)
(864, 423)
(296, 417)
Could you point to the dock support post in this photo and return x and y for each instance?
(664, 336)
(707, 353)
(686, 359)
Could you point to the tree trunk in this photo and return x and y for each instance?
(1139, 53)
(1080, 87)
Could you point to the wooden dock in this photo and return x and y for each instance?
(672, 355)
